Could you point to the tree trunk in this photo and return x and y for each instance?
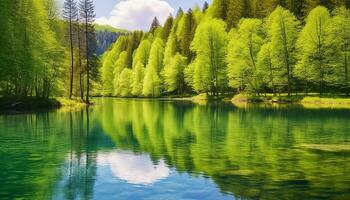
(286, 57)
(87, 60)
(346, 74)
(80, 66)
(72, 58)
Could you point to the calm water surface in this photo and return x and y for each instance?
(140, 149)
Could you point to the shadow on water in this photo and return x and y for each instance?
(250, 153)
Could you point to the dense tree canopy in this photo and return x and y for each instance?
(41, 55)
(242, 46)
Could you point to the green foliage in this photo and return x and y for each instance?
(167, 28)
(243, 49)
(266, 71)
(209, 44)
(312, 66)
(137, 84)
(125, 83)
(109, 60)
(173, 74)
(282, 28)
(170, 48)
(142, 53)
(186, 31)
(31, 54)
(236, 11)
(267, 50)
(152, 82)
(133, 42)
(338, 44)
(119, 66)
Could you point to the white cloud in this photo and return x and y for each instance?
(135, 169)
(136, 14)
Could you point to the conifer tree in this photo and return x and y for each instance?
(205, 7)
(154, 25)
(70, 13)
(237, 9)
(186, 31)
(167, 28)
(219, 8)
(87, 13)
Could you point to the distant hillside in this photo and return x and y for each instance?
(109, 29)
(106, 36)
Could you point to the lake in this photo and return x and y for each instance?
(164, 150)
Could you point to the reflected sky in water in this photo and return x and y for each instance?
(134, 169)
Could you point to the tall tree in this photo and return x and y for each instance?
(312, 66)
(155, 24)
(244, 46)
(236, 10)
(119, 66)
(125, 83)
(152, 82)
(338, 43)
(219, 8)
(282, 28)
(268, 74)
(167, 28)
(174, 74)
(139, 63)
(179, 12)
(87, 13)
(186, 31)
(205, 7)
(109, 60)
(70, 13)
(209, 44)
(133, 42)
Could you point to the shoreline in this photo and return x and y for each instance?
(25, 104)
(310, 102)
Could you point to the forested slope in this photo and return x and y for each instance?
(249, 46)
(106, 36)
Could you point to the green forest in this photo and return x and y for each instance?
(227, 47)
(236, 46)
(47, 51)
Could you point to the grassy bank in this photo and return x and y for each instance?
(312, 101)
(326, 102)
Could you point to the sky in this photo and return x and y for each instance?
(138, 14)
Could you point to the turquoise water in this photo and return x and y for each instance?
(143, 149)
